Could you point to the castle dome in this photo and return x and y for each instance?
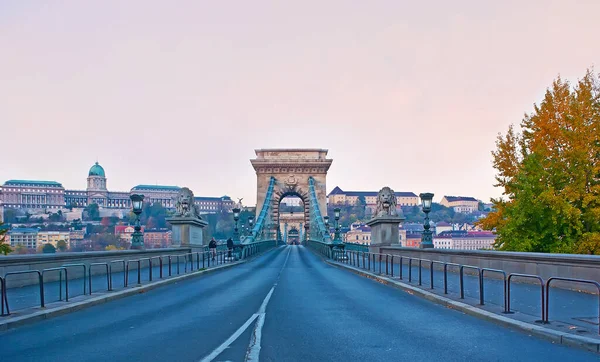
(96, 170)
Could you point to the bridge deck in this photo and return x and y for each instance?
(310, 311)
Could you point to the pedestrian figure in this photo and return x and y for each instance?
(229, 247)
(212, 245)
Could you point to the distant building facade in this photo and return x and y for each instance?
(125, 232)
(53, 237)
(49, 196)
(465, 240)
(340, 197)
(413, 239)
(157, 238)
(442, 226)
(33, 194)
(361, 234)
(462, 204)
(26, 237)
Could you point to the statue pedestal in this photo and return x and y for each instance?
(187, 231)
(384, 232)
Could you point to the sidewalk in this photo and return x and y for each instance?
(569, 311)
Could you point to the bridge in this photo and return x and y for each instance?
(320, 300)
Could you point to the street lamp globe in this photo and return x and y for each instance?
(250, 221)
(326, 218)
(336, 213)
(426, 199)
(236, 213)
(137, 202)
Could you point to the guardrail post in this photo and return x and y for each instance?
(445, 278)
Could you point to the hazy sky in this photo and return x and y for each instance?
(409, 94)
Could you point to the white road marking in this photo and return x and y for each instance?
(253, 353)
(254, 348)
(229, 340)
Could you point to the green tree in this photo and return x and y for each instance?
(61, 245)
(4, 247)
(359, 208)
(22, 249)
(48, 249)
(10, 216)
(550, 173)
(91, 212)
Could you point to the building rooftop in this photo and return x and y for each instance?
(23, 230)
(338, 191)
(156, 187)
(460, 198)
(97, 170)
(210, 198)
(32, 183)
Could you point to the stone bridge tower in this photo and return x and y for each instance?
(291, 168)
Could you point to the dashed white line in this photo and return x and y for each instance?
(229, 340)
(254, 347)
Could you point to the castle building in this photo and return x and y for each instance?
(340, 197)
(462, 204)
(50, 196)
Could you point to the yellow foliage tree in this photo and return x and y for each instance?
(550, 173)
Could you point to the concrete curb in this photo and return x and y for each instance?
(567, 339)
(103, 298)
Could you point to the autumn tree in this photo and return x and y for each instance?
(61, 245)
(550, 173)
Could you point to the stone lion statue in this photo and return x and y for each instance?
(386, 203)
(185, 205)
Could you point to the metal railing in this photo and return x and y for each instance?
(527, 276)
(572, 280)
(108, 286)
(41, 284)
(60, 270)
(383, 264)
(2, 295)
(202, 261)
(84, 271)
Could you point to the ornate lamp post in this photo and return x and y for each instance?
(336, 214)
(426, 238)
(236, 218)
(306, 227)
(326, 218)
(250, 225)
(137, 238)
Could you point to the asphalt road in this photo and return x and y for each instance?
(286, 305)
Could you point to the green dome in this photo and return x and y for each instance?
(96, 170)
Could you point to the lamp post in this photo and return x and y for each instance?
(426, 238)
(306, 227)
(250, 226)
(137, 238)
(326, 218)
(236, 218)
(336, 215)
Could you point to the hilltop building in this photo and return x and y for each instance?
(465, 240)
(50, 196)
(340, 197)
(462, 204)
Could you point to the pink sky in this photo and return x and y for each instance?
(402, 93)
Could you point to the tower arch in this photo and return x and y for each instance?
(292, 169)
